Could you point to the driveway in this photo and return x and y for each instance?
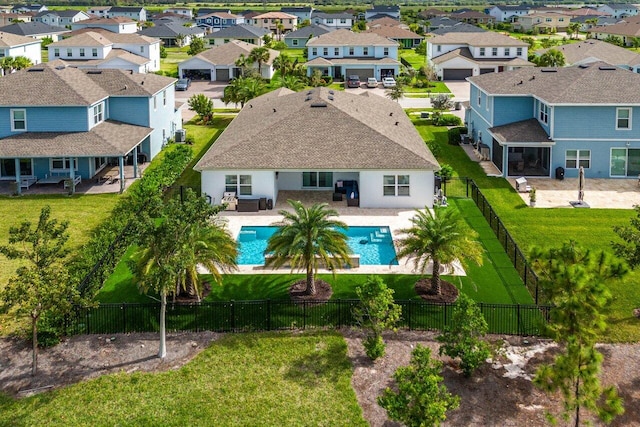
(213, 90)
(460, 89)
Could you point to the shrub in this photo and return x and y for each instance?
(446, 120)
(279, 45)
(374, 347)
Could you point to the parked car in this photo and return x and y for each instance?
(372, 82)
(388, 82)
(183, 84)
(353, 81)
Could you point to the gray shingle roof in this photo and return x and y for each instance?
(394, 32)
(228, 53)
(349, 38)
(238, 32)
(340, 15)
(9, 40)
(526, 131)
(332, 130)
(464, 52)
(596, 50)
(32, 29)
(598, 83)
(170, 29)
(310, 30)
(486, 38)
(457, 27)
(109, 138)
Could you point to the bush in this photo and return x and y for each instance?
(447, 120)
(454, 134)
(419, 84)
(374, 347)
(279, 45)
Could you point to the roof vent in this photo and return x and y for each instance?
(520, 82)
(330, 97)
(606, 67)
(308, 98)
(31, 70)
(310, 92)
(583, 66)
(331, 92)
(97, 72)
(532, 78)
(397, 123)
(549, 70)
(274, 110)
(391, 114)
(318, 104)
(60, 67)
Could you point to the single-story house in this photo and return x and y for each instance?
(244, 32)
(345, 138)
(298, 39)
(36, 30)
(169, 32)
(592, 50)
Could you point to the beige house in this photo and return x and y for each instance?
(627, 31)
(270, 21)
(543, 22)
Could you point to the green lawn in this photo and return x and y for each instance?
(174, 56)
(295, 54)
(416, 60)
(242, 379)
(434, 87)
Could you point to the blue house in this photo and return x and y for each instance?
(536, 120)
(61, 123)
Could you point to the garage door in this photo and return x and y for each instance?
(196, 74)
(457, 73)
(486, 70)
(363, 73)
(222, 74)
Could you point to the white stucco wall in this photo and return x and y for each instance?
(262, 183)
(421, 190)
(32, 51)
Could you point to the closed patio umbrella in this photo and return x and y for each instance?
(581, 185)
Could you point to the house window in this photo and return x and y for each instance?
(519, 51)
(576, 158)
(494, 51)
(314, 51)
(329, 21)
(479, 99)
(336, 51)
(317, 179)
(82, 52)
(155, 103)
(294, 42)
(69, 52)
(325, 51)
(164, 98)
(547, 20)
(351, 51)
(343, 21)
(98, 113)
(239, 184)
(94, 52)
(482, 51)
(439, 48)
(385, 51)
(396, 185)
(62, 164)
(544, 113)
(507, 51)
(365, 51)
(142, 49)
(265, 21)
(56, 52)
(2, 54)
(18, 120)
(623, 118)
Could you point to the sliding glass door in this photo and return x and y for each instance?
(625, 162)
(8, 168)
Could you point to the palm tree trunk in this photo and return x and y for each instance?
(162, 351)
(34, 331)
(435, 277)
(311, 282)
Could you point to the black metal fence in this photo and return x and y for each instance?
(269, 315)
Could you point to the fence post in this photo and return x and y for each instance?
(339, 312)
(232, 315)
(409, 314)
(304, 315)
(269, 314)
(537, 281)
(518, 317)
(444, 325)
(123, 307)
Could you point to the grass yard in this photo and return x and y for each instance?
(268, 379)
(169, 65)
(434, 87)
(416, 60)
(295, 54)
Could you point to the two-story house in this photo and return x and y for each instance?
(456, 56)
(592, 50)
(182, 11)
(298, 39)
(115, 25)
(333, 20)
(60, 18)
(543, 22)
(11, 18)
(216, 21)
(627, 30)
(99, 11)
(342, 53)
(504, 13)
(29, 8)
(619, 10)
(406, 38)
(243, 32)
(536, 120)
(303, 13)
(102, 49)
(77, 121)
(12, 45)
(137, 13)
(378, 11)
(173, 33)
(273, 20)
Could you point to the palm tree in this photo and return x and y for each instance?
(243, 63)
(250, 87)
(396, 92)
(292, 82)
(259, 55)
(439, 236)
(283, 63)
(551, 58)
(9, 64)
(574, 29)
(308, 238)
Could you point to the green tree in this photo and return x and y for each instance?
(441, 237)
(304, 23)
(574, 281)
(421, 400)
(574, 29)
(629, 248)
(442, 102)
(462, 337)
(10, 64)
(376, 313)
(259, 55)
(180, 40)
(46, 41)
(163, 52)
(396, 92)
(283, 63)
(307, 238)
(202, 105)
(292, 82)
(421, 49)
(243, 89)
(316, 79)
(551, 58)
(41, 284)
(196, 46)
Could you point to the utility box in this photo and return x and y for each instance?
(181, 135)
(560, 173)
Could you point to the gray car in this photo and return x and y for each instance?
(183, 84)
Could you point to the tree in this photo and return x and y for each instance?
(376, 313)
(259, 55)
(316, 79)
(196, 46)
(243, 63)
(574, 280)
(163, 52)
(421, 399)
(591, 22)
(629, 249)
(203, 105)
(173, 245)
(551, 58)
(396, 92)
(180, 40)
(291, 82)
(10, 64)
(279, 28)
(421, 49)
(574, 29)
(441, 237)
(41, 284)
(307, 238)
(304, 23)
(243, 89)
(46, 41)
(283, 63)
(462, 338)
(442, 102)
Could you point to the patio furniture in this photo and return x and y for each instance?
(76, 180)
(53, 179)
(27, 181)
(229, 197)
(337, 197)
(522, 186)
(248, 205)
(262, 204)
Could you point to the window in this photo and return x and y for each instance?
(365, 51)
(519, 51)
(386, 51)
(623, 118)
(164, 97)
(544, 113)
(294, 42)
(329, 20)
(265, 21)
(336, 51)
(2, 54)
(439, 48)
(351, 51)
(69, 52)
(18, 120)
(240, 184)
(325, 51)
(98, 113)
(343, 21)
(63, 164)
(141, 48)
(507, 51)
(56, 52)
(479, 99)
(494, 51)
(482, 51)
(576, 158)
(81, 51)
(155, 103)
(547, 20)
(94, 52)
(317, 179)
(395, 185)
(314, 51)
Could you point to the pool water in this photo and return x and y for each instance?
(373, 244)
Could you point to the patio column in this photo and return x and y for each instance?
(72, 174)
(121, 171)
(18, 187)
(135, 161)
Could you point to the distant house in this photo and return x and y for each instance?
(169, 32)
(12, 45)
(432, 13)
(303, 13)
(366, 139)
(206, 11)
(387, 21)
(215, 21)
(619, 10)
(591, 50)
(441, 22)
(270, 21)
(377, 12)
(219, 62)
(182, 11)
(115, 25)
(456, 27)
(535, 120)
(333, 20)
(80, 120)
(11, 18)
(99, 11)
(137, 13)
(544, 22)
(474, 17)
(456, 56)
(341, 53)
(60, 18)
(407, 39)
(627, 31)
(503, 13)
(29, 8)
(36, 30)
(243, 32)
(600, 21)
(298, 39)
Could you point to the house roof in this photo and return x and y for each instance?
(387, 20)
(596, 50)
(32, 29)
(597, 83)
(238, 31)
(126, 9)
(221, 15)
(394, 32)
(228, 53)
(349, 38)
(378, 16)
(616, 6)
(89, 38)
(53, 83)
(630, 29)
(340, 15)
(113, 55)
(275, 15)
(525, 131)
(116, 20)
(128, 38)
(472, 14)
(10, 40)
(458, 27)
(170, 29)
(506, 8)
(319, 61)
(310, 30)
(69, 13)
(587, 11)
(109, 138)
(305, 9)
(464, 52)
(380, 8)
(319, 129)
(486, 38)
(601, 20)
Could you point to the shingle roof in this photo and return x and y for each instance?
(222, 15)
(275, 15)
(620, 6)
(125, 9)
(513, 8)
(458, 27)
(109, 138)
(350, 61)
(9, 40)
(228, 53)
(89, 38)
(128, 38)
(113, 54)
(486, 38)
(349, 38)
(631, 29)
(32, 29)
(340, 131)
(597, 83)
(62, 13)
(341, 15)
(464, 52)
(596, 50)
(387, 20)
(238, 31)
(296, 9)
(309, 30)
(116, 20)
(169, 29)
(526, 131)
(394, 32)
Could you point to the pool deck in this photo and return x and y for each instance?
(395, 219)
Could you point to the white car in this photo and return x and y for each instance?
(372, 82)
(388, 82)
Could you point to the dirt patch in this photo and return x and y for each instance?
(448, 291)
(297, 291)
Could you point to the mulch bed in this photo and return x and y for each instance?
(322, 295)
(449, 292)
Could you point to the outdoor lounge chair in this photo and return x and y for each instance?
(522, 186)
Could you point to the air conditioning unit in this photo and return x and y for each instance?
(181, 135)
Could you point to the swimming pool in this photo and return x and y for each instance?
(373, 244)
